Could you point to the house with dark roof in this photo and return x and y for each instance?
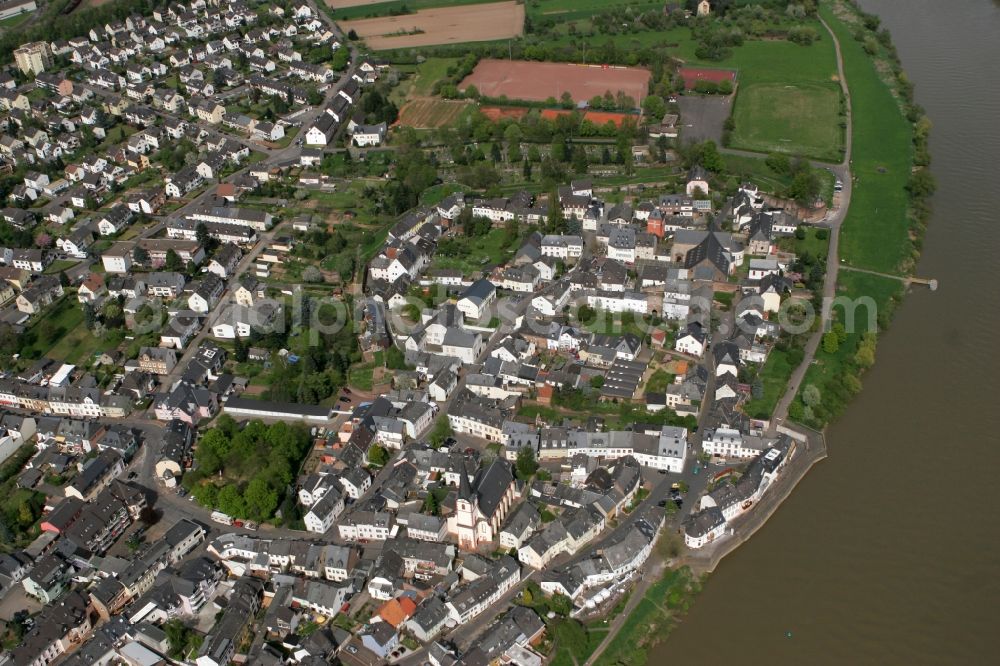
(476, 299)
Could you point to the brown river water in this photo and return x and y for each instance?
(888, 552)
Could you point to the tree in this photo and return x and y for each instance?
(442, 431)
(555, 220)
(231, 502)
(580, 160)
(811, 395)
(201, 234)
(526, 170)
(173, 261)
(526, 464)
(805, 187)
(560, 604)
(377, 455)
(597, 381)
(140, 255)
(311, 274)
(778, 163)
(431, 505)
(654, 107)
(514, 154)
(261, 499)
(921, 184)
(865, 356)
(241, 351)
(512, 133)
(558, 151)
(831, 343)
(207, 495)
(710, 157)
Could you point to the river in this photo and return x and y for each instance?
(887, 551)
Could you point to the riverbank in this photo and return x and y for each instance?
(884, 224)
(648, 621)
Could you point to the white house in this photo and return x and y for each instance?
(704, 527)
(369, 135)
(475, 300)
(692, 341)
(323, 513)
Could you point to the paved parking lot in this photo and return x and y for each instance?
(702, 116)
(16, 600)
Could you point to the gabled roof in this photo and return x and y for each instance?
(479, 291)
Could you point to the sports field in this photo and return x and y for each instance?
(441, 25)
(427, 113)
(799, 119)
(692, 75)
(538, 81)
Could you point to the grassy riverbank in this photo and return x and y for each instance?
(652, 619)
(875, 232)
(887, 214)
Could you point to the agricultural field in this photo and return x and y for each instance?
(429, 112)
(441, 25)
(538, 81)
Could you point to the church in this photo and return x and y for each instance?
(482, 505)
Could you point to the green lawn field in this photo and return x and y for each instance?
(797, 119)
(61, 335)
(430, 72)
(494, 247)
